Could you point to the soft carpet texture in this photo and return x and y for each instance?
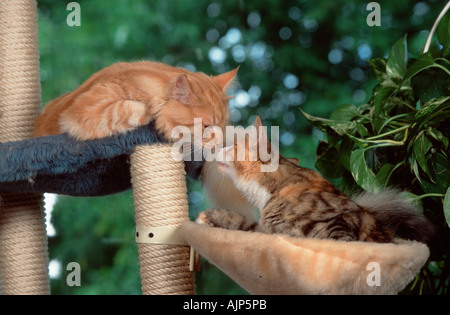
(60, 164)
(279, 264)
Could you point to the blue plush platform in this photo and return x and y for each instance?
(59, 164)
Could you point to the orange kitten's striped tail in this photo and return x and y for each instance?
(398, 214)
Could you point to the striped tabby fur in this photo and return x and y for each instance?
(299, 202)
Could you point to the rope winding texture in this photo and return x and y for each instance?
(160, 199)
(23, 240)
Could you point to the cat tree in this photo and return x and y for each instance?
(23, 240)
(43, 165)
(161, 206)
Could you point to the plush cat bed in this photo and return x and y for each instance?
(59, 164)
(279, 264)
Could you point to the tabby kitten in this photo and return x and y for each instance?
(301, 203)
(124, 96)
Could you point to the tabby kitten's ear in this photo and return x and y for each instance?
(181, 90)
(224, 79)
(263, 139)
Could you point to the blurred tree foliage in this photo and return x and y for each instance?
(308, 54)
(400, 138)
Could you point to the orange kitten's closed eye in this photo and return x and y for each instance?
(126, 95)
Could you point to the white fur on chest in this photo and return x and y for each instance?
(223, 194)
(253, 192)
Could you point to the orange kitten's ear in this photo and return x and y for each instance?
(181, 90)
(224, 79)
(293, 160)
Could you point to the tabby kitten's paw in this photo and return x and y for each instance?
(203, 218)
(225, 219)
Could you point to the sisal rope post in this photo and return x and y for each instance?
(23, 238)
(160, 200)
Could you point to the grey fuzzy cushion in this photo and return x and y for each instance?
(60, 164)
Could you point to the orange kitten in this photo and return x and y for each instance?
(124, 96)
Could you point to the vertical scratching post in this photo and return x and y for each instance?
(160, 200)
(158, 181)
(23, 239)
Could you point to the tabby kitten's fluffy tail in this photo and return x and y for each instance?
(397, 214)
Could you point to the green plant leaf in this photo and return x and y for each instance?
(430, 108)
(440, 169)
(415, 169)
(397, 60)
(439, 136)
(432, 114)
(378, 66)
(439, 166)
(447, 206)
(420, 148)
(345, 149)
(443, 31)
(431, 82)
(333, 139)
(344, 112)
(384, 173)
(361, 173)
(327, 161)
(381, 95)
(341, 127)
(362, 130)
(425, 61)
